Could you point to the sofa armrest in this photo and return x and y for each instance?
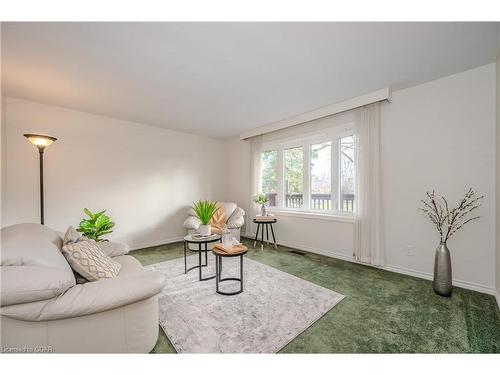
(235, 222)
(237, 219)
(114, 249)
(192, 222)
(24, 284)
(91, 298)
(238, 212)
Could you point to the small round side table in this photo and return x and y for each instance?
(218, 270)
(200, 241)
(260, 225)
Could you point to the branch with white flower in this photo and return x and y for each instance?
(450, 221)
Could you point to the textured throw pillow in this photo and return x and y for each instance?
(71, 236)
(89, 261)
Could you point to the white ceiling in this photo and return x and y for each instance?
(220, 79)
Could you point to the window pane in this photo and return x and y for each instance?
(269, 173)
(321, 176)
(294, 163)
(347, 173)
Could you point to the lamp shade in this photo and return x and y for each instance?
(40, 140)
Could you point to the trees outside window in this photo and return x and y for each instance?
(269, 172)
(321, 176)
(347, 173)
(294, 177)
(317, 173)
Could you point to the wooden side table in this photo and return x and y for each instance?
(260, 225)
(219, 254)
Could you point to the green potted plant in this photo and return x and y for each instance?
(262, 199)
(205, 210)
(96, 226)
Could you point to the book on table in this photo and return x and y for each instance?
(239, 248)
(197, 236)
(265, 218)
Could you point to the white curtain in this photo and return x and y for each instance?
(255, 151)
(368, 230)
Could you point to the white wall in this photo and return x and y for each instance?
(2, 131)
(437, 135)
(497, 173)
(440, 135)
(144, 176)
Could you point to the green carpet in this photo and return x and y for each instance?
(383, 312)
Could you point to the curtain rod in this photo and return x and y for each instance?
(332, 109)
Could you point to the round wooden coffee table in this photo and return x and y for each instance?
(219, 254)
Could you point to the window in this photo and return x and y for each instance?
(316, 173)
(294, 177)
(269, 173)
(347, 176)
(321, 176)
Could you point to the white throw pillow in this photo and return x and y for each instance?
(71, 236)
(88, 260)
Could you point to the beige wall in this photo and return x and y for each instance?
(2, 154)
(145, 177)
(436, 135)
(440, 135)
(497, 268)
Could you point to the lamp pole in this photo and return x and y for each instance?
(40, 152)
(41, 142)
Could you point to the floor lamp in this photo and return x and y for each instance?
(41, 142)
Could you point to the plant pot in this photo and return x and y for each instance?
(442, 271)
(263, 210)
(205, 230)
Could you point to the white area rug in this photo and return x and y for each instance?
(274, 308)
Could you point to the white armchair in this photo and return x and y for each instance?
(41, 305)
(235, 220)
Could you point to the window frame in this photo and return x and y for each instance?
(332, 135)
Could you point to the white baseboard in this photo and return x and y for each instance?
(333, 254)
(155, 243)
(497, 296)
(405, 271)
(428, 276)
(310, 249)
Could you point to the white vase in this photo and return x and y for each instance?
(227, 241)
(263, 210)
(205, 230)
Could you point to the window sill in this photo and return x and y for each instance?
(311, 215)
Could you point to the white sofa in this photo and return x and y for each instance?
(235, 220)
(44, 309)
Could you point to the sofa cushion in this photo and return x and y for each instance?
(89, 261)
(33, 267)
(31, 245)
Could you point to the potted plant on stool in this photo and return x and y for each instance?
(205, 210)
(262, 199)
